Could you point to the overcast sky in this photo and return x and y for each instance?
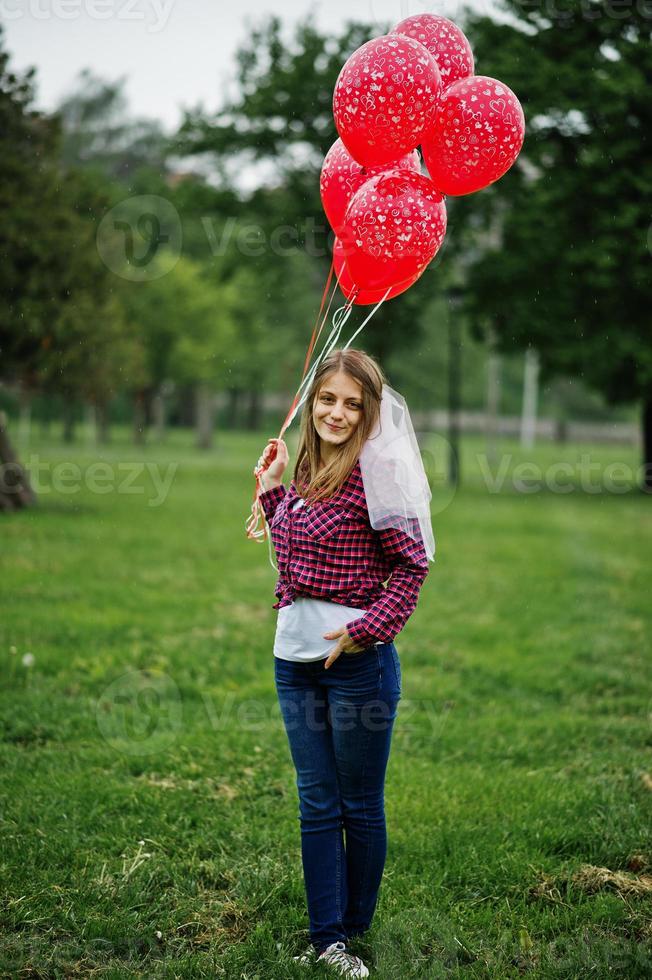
(175, 53)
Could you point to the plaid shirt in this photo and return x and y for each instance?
(329, 550)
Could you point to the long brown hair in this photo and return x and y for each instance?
(314, 485)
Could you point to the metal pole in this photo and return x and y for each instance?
(454, 376)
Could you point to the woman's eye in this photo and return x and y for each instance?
(326, 398)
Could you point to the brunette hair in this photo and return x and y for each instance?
(310, 483)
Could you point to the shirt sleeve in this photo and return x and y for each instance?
(387, 617)
(270, 499)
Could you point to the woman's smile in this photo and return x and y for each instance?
(341, 397)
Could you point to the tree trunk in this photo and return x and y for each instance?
(233, 407)
(454, 395)
(25, 417)
(158, 415)
(140, 417)
(68, 420)
(15, 488)
(205, 411)
(89, 423)
(646, 482)
(185, 407)
(102, 431)
(254, 411)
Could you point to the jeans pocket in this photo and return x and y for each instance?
(352, 654)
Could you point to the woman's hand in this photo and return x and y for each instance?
(276, 455)
(344, 645)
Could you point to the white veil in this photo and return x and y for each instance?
(395, 483)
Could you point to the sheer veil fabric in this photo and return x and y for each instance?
(395, 483)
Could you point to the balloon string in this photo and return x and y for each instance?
(340, 318)
(257, 514)
(313, 340)
(305, 383)
(375, 310)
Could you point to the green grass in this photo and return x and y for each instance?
(149, 714)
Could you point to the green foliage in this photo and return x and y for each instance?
(98, 135)
(282, 116)
(571, 274)
(60, 329)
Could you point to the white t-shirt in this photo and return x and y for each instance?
(300, 627)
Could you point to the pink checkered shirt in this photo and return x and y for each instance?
(329, 550)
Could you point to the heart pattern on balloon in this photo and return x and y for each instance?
(341, 176)
(412, 86)
(353, 292)
(461, 159)
(394, 226)
(445, 41)
(380, 125)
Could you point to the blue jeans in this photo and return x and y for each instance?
(339, 725)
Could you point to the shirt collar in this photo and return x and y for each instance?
(352, 483)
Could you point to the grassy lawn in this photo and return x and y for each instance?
(149, 823)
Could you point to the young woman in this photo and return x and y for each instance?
(337, 670)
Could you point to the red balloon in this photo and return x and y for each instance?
(478, 134)
(445, 41)
(386, 98)
(341, 176)
(394, 225)
(363, 297)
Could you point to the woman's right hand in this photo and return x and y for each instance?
(276, 453)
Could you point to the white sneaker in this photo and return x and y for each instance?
(308, 957)
(345, 963)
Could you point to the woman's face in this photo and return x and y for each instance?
(337, 409)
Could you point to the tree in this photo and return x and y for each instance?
(184, 321)
(60, 329)
(282, 121)
(572, 276)
(98, 133)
